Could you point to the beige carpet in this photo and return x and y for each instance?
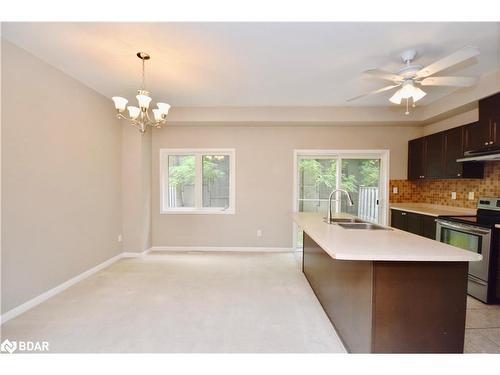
(185, 302)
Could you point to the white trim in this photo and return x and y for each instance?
(16, 311)
(223, 249)
(56, 290)
(198, 209)
(384, 155)
(135, 255)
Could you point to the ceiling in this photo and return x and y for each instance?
(252, 64)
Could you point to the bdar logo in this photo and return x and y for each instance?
(8, 346)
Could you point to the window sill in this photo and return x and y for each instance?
(197, 211)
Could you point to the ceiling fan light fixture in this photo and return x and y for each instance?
(396, 98)
(418, 94)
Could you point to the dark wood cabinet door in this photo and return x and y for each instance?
(416, 159)
(414, 222)
(477, 136)
(494, 111)
(453, 149)
(429, 226)
(495, 132)
(398, 219)
(434, 155)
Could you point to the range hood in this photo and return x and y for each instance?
(481, 155)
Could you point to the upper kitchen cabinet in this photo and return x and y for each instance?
(453, 150)
(485, 133)
(434, 155)
(416, 156)
(489, 115)
(477, 136)
(425, 157)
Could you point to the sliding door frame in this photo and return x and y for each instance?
(383, 155)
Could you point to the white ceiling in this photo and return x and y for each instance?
(251, 64)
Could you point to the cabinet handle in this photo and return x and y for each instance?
(458, 174)
(403, 213)
(485, 143)
(491, 142)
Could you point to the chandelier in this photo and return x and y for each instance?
(139, 116)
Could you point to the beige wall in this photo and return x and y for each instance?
(452, 122)
(136, 189)
(61, 174)
(264, 178)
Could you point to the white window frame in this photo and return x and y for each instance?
(198, 183)
(383, 155)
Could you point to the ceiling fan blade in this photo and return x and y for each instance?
(384, 75)
(449, 81)
(450, 60)
(374, 92)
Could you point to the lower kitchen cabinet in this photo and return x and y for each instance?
(398, 220)
(423, 225)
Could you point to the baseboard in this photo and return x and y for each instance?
(223, 249)
(16, 311)
(58, 289)
(130, 254)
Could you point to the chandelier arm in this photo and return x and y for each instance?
(120, 116)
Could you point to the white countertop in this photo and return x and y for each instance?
(382, 245)
(432, 209)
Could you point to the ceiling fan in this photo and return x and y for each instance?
(409, 77)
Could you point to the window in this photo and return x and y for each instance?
(362, 173)
(197, 181)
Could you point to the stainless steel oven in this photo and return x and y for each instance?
(472, 238)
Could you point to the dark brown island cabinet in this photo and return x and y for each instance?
(435, 156)
(390, 306)
(423, 225)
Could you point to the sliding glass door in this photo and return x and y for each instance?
(359, 173)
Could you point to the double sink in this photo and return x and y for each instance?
(354, 223)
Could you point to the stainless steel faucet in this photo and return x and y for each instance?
(349, 201)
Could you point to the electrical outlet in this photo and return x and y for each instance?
(471, 195)
(259, 233)
(453, 195)
(395, 190)
(120, 238)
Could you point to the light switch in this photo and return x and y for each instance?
(471, 195)
(259, 233)
(395, 190)
(453, 195)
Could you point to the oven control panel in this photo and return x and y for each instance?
(489, 203)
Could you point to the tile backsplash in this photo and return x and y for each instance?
(439, 191)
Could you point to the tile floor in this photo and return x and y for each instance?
(482, 327)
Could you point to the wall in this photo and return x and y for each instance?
(439, 191)
(264, 178)
(452, 122)
(136, 189)
(61, 174)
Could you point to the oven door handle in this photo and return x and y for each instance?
(463, 227)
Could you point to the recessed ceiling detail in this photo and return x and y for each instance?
(253, 64)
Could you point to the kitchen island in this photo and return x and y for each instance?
(387, 291)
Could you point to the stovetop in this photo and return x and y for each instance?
(480, 221)
(488, 214)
